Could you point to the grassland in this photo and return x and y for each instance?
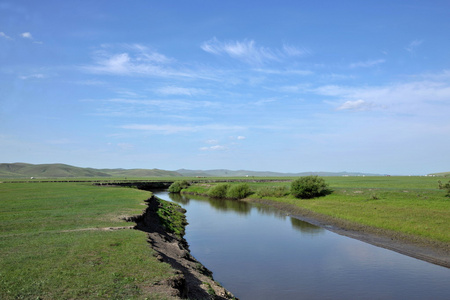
(55, 243)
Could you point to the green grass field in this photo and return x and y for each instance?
(52, 245)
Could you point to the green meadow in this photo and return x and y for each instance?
(53, 244)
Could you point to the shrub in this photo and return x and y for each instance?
(238, 191)
(309, 187)
(273, 191)
(445, 186)
(219, 191)
(177, 186)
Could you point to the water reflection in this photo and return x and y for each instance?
(306, 228)
(239, 207)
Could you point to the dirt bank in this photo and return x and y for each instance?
(191, 279)
(420, 248)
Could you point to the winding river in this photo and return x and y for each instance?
(259, 253)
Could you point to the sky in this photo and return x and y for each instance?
(283, 86)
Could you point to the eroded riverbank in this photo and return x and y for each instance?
(191, 279)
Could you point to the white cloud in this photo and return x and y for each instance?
(26, 35)
(241, 137)
(367, 64)
(359, 105)
(212, 141)
(245, 51)
(164, 104)
(172, 129)
(3, 35)
(162, 129)
(284, 72)
(214, 148)
(174, 90)
(248, 52)
(415, 98)
(136, 60)
(36, 76)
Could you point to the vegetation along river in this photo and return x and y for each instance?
(257, 252)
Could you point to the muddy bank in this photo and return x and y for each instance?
(191, 279)
(420, 248)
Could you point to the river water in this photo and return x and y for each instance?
(257, 252)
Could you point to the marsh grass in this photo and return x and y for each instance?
(50, 248)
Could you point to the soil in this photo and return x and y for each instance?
(431, 251)
(191, 279)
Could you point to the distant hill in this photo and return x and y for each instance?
(23, 170)
(139, 173)
(244, 173)
(444, 174)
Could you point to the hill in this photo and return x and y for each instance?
(23, 170)
(139, 173)
(444, 174)
(244, 173)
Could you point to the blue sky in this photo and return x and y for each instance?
(286, 86)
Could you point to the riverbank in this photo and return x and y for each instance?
(431, 251)
(192, 280)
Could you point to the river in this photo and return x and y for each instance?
(257, 252)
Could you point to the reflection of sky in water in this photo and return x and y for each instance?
(260, 253)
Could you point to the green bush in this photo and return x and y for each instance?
(219, 191)
(445, 186)
(309, 187)
(177, 186)
(273, 191)
(238, 191)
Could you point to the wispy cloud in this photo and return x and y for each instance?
(415, 97)
(165, 104)
(411, 48)
(32, 76)
(217, 146)
(295, 51)
(284, 71)
(367, 63)
(173, 129)
(138, 60)
(248, 52)
(359, 105)
(4, 35)
(182, 91)
(27, 35)
(161, 129)
(214, 148)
